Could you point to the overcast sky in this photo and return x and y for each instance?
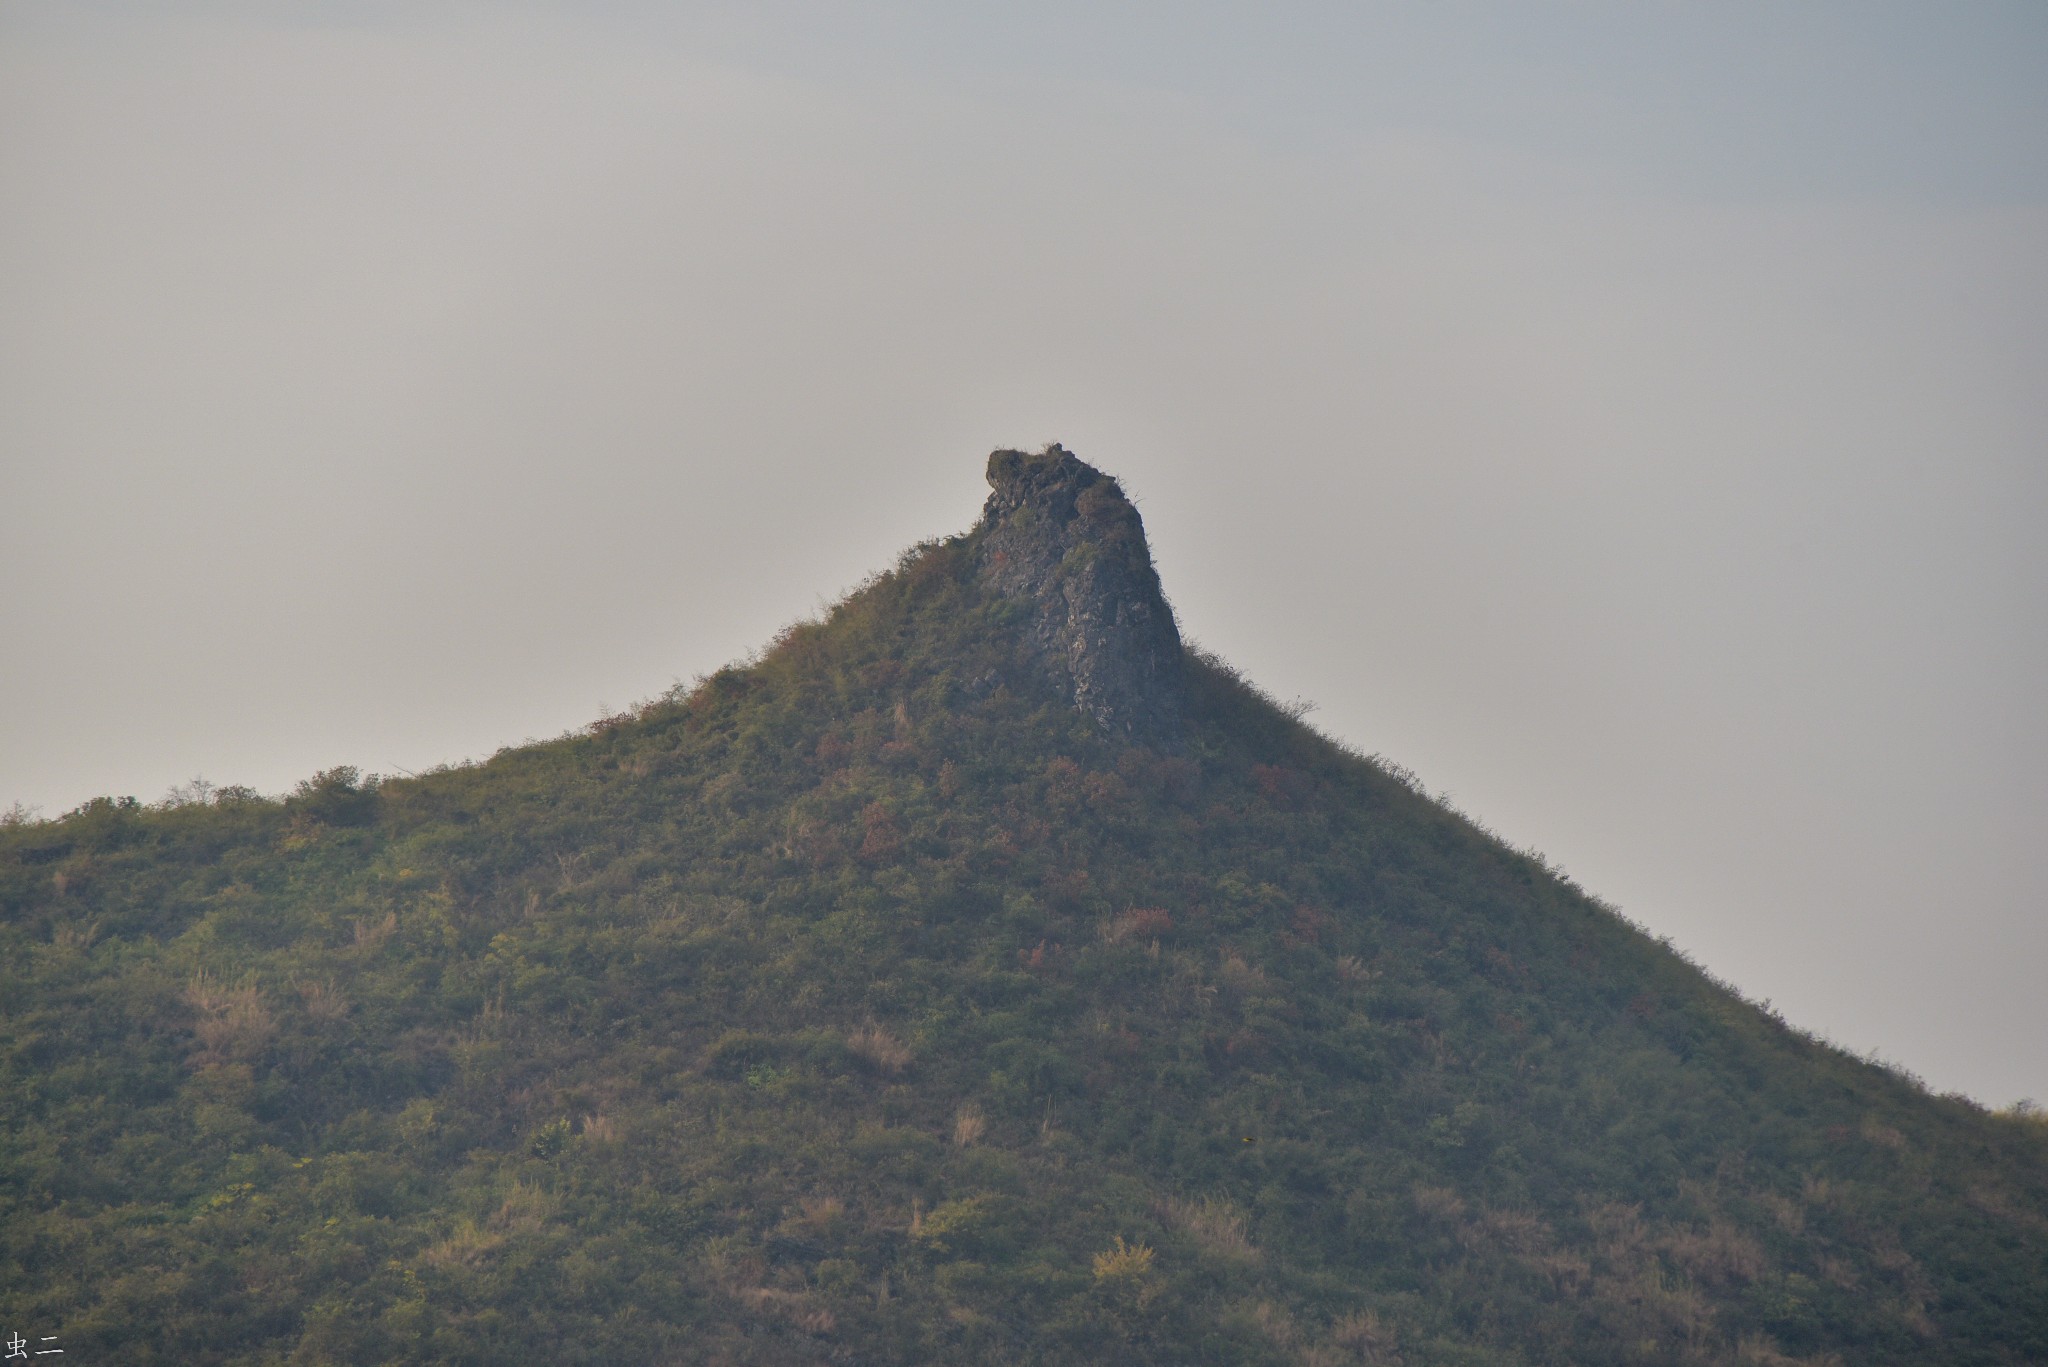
(1628, 416)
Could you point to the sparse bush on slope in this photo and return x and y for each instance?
(866, 1004)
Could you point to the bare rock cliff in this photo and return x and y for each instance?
(1059, 534)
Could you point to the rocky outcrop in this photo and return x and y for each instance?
(1059, 534)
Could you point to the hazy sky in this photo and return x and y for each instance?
(1628, 416)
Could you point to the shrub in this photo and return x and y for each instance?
(336, 797)
(1123, 1264)
(958, 1226)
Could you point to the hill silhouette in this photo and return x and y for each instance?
(978, 975)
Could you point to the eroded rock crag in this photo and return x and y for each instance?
(1059, 534)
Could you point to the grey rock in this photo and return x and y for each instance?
(1059, 535)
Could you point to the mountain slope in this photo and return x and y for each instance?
(975, 977)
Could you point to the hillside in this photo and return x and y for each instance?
(975, 977)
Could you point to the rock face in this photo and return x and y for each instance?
(1059, 534)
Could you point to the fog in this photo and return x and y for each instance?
(1628, 418)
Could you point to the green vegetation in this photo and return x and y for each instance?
(864, 1004)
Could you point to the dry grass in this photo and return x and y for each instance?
(793, 1306)
(371, 935)
(1239, 975)
(1365, 1338)
(745, 1279)
(1439, 1203)
(1353, 970)
(1722, 1256)
(1838, 1272)
(1787, 1214)
(526, 1209)
(1569, 1274)
(1215, 1224)
(1275, 1323)
(323, 1000)
(467, 1247)
(1623, 1240)
(1137, 925)
(488, 1020)
(969, 1126)
(880, 1049)
(2003, 1204)
(75, 936)
(234, 1023)
(1760, 1350)
(821, 1213)
(600, 1128)
(1511, 1231)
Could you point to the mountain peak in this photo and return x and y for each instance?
(829, 1012)
(1059, 534)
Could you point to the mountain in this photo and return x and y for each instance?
(980, 975)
